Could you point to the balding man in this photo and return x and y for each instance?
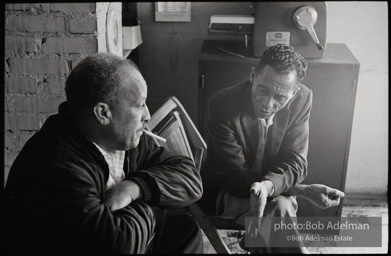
(90, 180)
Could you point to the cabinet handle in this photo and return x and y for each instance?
(202, 81)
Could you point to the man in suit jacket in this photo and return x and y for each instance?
(258, 141)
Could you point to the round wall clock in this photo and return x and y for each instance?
(113, 29)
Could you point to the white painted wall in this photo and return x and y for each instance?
(363, 27)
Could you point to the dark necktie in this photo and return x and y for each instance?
(257, 167)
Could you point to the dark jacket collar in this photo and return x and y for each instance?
(71, 131)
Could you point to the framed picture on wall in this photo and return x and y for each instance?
(173, 11)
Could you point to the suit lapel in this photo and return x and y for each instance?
(276, 133)
(249, 122)
(248, 119)
(250, 130)
(274, 137)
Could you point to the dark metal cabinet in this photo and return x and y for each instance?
(333, 80)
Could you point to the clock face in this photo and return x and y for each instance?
(113, 30)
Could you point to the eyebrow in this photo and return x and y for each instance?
(263, 86)
(271, 89)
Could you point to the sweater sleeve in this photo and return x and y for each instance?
(66, 207)
(167, 180)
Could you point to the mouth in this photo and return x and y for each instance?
(259, 110)
(264, 113)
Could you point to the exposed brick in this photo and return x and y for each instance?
(83, 25)
(20, 122)
(49, 105)
(39, 66)
(43, 118)
(7, 140)
(9, 104)
(23, 139)
(56, 86)
(9, 157)
(12, 143)
(70, 45)
(20, 44)
(20, 84)
(26, 104)
(17, 7)
(69, 7)
(75, 61)
(6, 173)
(17, 143)
(6, 66)
(34, 105)
(36, 24)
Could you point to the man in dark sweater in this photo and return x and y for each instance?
(90, 181)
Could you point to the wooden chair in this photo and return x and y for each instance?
(172, 122)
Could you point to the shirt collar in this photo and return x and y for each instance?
(266, 123)
(104, 153)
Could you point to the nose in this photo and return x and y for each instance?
(146, 116)
(267, 103)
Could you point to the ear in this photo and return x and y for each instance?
(252, 74)
(102, 113)
(297, 89)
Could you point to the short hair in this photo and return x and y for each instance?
(284, 59)
(95, 79)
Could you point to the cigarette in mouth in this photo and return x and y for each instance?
(154, 135)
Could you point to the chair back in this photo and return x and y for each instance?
(172, 122)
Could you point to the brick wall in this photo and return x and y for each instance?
(42, 44)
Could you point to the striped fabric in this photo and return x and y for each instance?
(116, 166)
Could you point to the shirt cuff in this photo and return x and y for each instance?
(273, 188)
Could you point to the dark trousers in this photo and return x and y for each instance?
(177, 233)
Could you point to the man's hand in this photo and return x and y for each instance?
(122, 194)
(258, 196)
(259, 192)
(322, 196)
